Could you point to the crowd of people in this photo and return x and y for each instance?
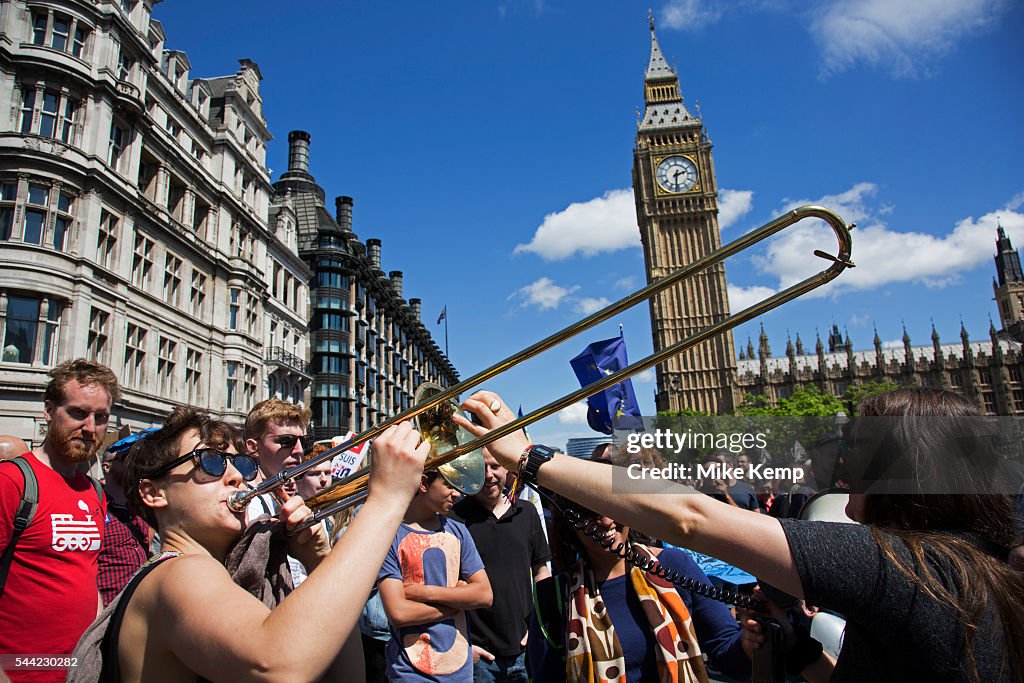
(153, 575)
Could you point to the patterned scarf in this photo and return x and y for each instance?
(593, 652)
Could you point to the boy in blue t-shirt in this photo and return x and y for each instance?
(430, 577)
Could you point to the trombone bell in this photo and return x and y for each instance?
(467, 472)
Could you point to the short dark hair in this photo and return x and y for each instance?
(85, 372)
(148, 455)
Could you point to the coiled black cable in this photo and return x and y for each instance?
(648, 564)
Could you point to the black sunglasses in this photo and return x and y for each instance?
(214, 463)
(289, 441)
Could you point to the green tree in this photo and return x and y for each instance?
(805, 401)
(855, 393)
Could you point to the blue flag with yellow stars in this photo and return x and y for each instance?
(598, 360)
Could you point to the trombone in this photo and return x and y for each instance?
(353, 489)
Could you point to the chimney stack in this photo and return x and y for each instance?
(373, 252)
(298, 152)
(414, 304)
(343, 213)
(396, 282)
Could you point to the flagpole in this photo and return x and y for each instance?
(446, 333)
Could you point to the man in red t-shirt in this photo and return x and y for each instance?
(50, 597)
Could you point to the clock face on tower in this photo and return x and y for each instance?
(676, 174)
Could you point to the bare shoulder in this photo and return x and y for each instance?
(179, 583)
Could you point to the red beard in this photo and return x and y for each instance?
(72, 446)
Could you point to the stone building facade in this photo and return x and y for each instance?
(370, 350)
(676, 197)
(989, 371)
(134, 221)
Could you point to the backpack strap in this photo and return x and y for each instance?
(98, 487)
(111, 667)
(23, 517)
(549, 610)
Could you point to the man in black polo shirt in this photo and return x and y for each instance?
(511, 543)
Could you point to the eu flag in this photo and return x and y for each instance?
(599, 360)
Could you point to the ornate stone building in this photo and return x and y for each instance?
(370, 350)
(991, 372)
(677, 210)
(134, 221)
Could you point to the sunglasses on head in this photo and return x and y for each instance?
(289, 440)
(214, 463)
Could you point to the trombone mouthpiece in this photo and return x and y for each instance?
(239, 501)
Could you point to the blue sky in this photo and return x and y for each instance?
(489, 146)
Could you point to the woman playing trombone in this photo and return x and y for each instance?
(188, 619)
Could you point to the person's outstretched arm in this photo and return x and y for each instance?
(679, 515)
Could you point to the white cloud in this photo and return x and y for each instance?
(744, 297)
(626, 284)
(898, 35)
(892, 344)
(690, 14)
(645, 377)
(602, 225)
(860, 320)
(576, 414)
(883, 255)
(588, 305)
(733, 205)
(543, 294)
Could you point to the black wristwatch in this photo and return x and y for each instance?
(535, 457)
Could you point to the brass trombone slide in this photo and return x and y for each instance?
(352, 489)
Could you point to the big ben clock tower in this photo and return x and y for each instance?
(677, 211)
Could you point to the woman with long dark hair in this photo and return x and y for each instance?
(922, 581)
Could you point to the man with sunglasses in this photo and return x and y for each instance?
(275, 434)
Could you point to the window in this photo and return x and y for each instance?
(1015, 374)
(198, 297)
(27, 319)
(135, 356)
(1018, 399)
(59, 31)
(193, 376)
(35, 213)
(97, 339)
(990, 402)
(8, 197)
(331, 279)
(985, 375)
(232, 384)
(118, 142)
(250, 314)
(172, 279)
(38, 208)
(106, 240)
(248, 386)
(165, 364)
(142, 261)
(233, 309)
(62, 221)
(125, 64)
(48, 112)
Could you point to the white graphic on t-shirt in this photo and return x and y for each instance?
(74, 534)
